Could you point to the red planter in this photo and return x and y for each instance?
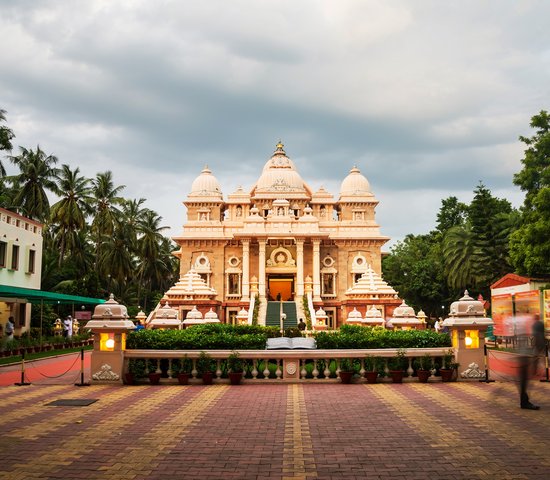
(207, 378)
(423, 375)
(235, 377)
(154, 378)
(183, 378)
(345, 377)
(371, 376)
(396, 376)
(129, 379)
(446, 374)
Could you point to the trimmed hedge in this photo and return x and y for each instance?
(203, 337)
(357, 337)
(221, 336)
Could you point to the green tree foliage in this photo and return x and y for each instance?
(6, 136)
(415, 269)
(36, 177)
(529, 244)
(451, 214)
(476, 253)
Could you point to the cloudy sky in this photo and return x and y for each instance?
(427, 97)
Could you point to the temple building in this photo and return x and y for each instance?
(280, 247)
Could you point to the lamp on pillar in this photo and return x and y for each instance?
(109, 325)
(467, 324)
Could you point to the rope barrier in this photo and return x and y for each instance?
(60, 375)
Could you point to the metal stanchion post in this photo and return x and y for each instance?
(82, 384)
(22, 382)
(486, 363)
(547, 379)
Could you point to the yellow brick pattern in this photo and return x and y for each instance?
(298, 461)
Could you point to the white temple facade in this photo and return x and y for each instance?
(279, 241)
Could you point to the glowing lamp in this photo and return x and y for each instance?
(107, 342)
(471, 339)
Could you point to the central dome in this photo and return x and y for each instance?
(279, 176)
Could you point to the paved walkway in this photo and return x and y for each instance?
(384, 431)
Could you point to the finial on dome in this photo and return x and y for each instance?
(280, 148)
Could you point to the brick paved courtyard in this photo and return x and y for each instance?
(409, 431)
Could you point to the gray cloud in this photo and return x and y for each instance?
(427, 99)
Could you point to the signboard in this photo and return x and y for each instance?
(547, 311)
(503, 311)
(85, 315)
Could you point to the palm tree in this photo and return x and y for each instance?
(151, 264)
(37, 174)
(461, 257)
(68, 215)
(105, 198)
(6, 136)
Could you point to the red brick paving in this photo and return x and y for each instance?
(384, 431)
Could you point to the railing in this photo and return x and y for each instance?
(268, 365)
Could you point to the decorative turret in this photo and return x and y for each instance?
(354, 317)
(373, 318)
(404, 318)
(166, 317)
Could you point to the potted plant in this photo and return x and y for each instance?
(397, 365)
(235, 368)
(372, 364)
(346, 370)
(446, 370)
(181, 368)
(205, 368)
(136, 370)
(154, 377)
(423, 368)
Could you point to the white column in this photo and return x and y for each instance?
(246, 270)
(261, 268)
(316, 270)
(300, 268)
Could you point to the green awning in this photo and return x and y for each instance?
(41, 296)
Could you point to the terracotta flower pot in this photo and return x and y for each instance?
(446, 374)
(183, 378)
(423, 375)
(207, 378)
(396, 376)
(345, 377)
(371, 376)
(129, 379)
(154, 378)
(235, 377)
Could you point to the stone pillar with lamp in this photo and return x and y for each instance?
(468, 324)
(109, 325)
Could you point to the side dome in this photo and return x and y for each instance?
(206, 185)
(355, 185)
(279, 175)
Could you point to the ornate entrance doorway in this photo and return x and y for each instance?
(280, 287)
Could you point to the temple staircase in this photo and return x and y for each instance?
(273, 319)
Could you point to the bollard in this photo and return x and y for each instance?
(22, 382)
(486, 364)
(82, 384)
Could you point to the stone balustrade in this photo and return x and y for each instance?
(290, 364)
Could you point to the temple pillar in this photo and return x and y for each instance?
(261, 268)
(316, 270)
(300, 268)
(246, 270)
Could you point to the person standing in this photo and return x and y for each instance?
(301, 325)
(10, 328)
(528, 358)
(68, 327)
